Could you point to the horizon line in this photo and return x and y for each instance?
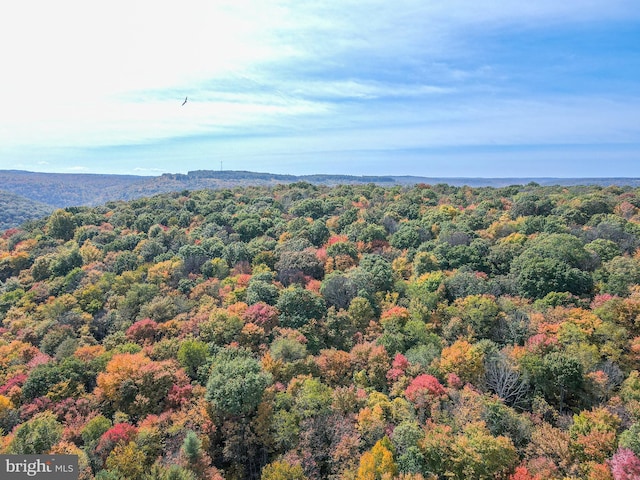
(394, 175)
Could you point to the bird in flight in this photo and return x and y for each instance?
(185, 101)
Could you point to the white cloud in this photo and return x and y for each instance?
(546, 121)
(342, 89)
(78, 73)
(152, 171)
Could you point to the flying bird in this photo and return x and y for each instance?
(185, 101)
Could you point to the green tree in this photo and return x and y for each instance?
(606, 250)
(406, 438)
(236, 383)
(380, 270)
(561, 378)
(66, 260)
(174, 472)
(94, 428)
(553, 263)
(297, 306)
(193, 257)
(480, 312)
(424, 262)
(538, 277)
(477, 454)
(43, 377)
(248, 229)
(318, 233)
(215, 268)
(61, 225)
(288, 349)
(36, 436)
(261, 291)
(309, 207)
(530, 204)
(361, 312)
(630, 438)
(407, 236)
(347, 249)
(618, 274)
(313, 398)
(473, 453)
(192, 354)
(236, 252)
(192, 447)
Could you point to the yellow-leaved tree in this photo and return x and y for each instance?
(378, 463)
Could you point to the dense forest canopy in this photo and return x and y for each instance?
(311, 332)
(15, 210)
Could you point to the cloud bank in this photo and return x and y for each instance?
(309, 84)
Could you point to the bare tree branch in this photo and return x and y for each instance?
(505, 381)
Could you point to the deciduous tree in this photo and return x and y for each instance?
(236, 383)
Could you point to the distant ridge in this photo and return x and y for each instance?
(66, 189)
(507, 181)
(58, 190)
(237, 175)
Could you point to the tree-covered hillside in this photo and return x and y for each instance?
(315, 332)
(63, 190)
(15, 209)
(67, 189)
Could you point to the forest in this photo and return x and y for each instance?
(300, 331)
(61, 190)
(15, 210)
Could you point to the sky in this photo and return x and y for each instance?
(473, 88)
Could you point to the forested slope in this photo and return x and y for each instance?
(80, 189)
(301, 331)
(15, 209)
(67, 189)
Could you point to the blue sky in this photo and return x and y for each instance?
(481, 88)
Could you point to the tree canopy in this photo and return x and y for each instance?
(309, 332)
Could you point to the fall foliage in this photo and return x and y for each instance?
(312, 332)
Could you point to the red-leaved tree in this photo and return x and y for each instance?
(625, 465)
